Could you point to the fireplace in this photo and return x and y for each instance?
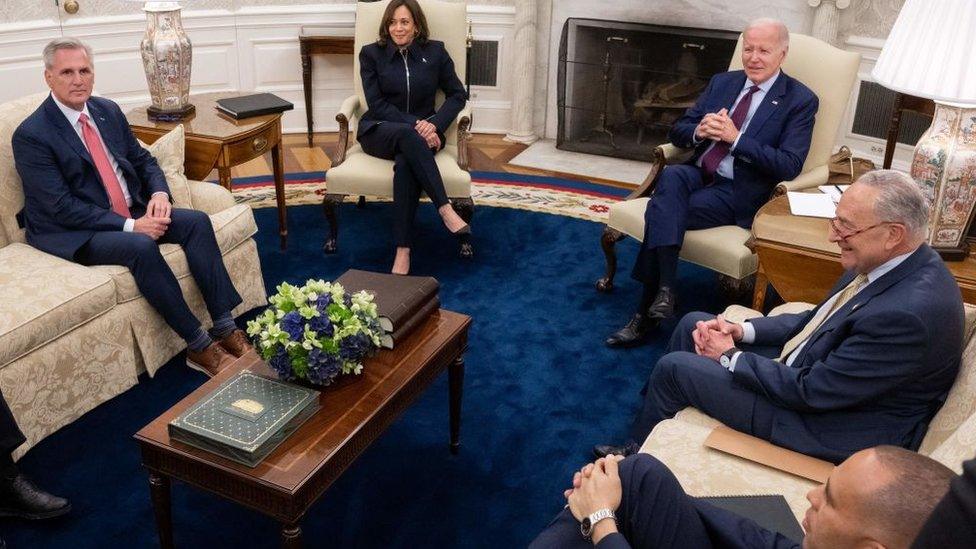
(621, 85)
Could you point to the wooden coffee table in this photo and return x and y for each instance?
(354, 413)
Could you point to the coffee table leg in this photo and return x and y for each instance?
(455, 374)
(159, 491)
(291, 536)
(278, 163)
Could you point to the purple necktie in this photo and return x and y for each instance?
(713, 157)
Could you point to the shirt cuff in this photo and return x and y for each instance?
(160, 192)
(735, 357)
(129, 225)
(748, 332)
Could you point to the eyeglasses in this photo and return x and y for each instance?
(844, 233)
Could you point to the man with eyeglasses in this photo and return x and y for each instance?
(870, 365)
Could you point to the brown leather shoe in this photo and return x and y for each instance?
(237, 344)
(211, 360)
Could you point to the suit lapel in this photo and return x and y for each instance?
(769, 105)
(105, 129)
(732, 92)
(65, 131)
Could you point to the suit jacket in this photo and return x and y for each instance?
(952, 524)
(65, 202)
(874, 373)
(402, 88)
(772, 149)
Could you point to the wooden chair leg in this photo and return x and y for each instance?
(330, 205)
(361, 203)
(609, 242)
(465, 209)
(736, 290)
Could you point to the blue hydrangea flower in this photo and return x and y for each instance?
(322, 325)
(294, 325)
(323, 302)
(323, 367)
(354, 347)
(281, 364)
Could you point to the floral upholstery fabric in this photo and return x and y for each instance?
(960, 404)
(11, 192)
(168, 151)
(959, 446)
(45, 296)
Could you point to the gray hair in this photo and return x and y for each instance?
(900, 200)
(65, 43)
(784, 33)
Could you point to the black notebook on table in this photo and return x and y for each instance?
(247, 106)
(769, 512)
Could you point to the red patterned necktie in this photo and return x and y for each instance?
(714, 156)
(111, 181)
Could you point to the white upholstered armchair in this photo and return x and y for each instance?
(354, 172)
(828, 71)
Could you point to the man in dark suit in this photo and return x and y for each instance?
(750, 130)
(877, 498)
(952, 524)
(95, 196)
(870, 365)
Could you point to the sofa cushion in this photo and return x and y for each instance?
(168, 151)
(959, 446)
(12, 113)
(231, 226)
(362, 174)
(960, 404)
(44, 297)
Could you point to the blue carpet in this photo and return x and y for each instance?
(540, 389)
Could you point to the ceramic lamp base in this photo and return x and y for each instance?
(160, 115)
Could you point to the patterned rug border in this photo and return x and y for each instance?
(552, 195)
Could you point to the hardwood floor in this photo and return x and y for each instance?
(488, 152)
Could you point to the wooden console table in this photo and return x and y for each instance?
(318, 44)
(214, 140)
(798, 260)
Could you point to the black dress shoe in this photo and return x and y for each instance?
(604, 450)
(634, 333)
(19, 497)
(663, 306)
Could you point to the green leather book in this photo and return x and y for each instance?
(245, 418)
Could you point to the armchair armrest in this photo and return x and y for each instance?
(463, 135)
(807, 180)
(663, 155)
(346, 113)
(209, 198)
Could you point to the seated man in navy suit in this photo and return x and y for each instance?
(870, 365)
(750, 130)
(95, 196)
(878, 498)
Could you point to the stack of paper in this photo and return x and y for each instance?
(811, 204)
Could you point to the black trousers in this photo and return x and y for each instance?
(10, 435)
(192, 230)
(414, 171)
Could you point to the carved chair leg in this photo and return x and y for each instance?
(465, 209)
(361, 203)
(330, 205)
(737, 291)
(609, 242)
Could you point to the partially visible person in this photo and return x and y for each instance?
(19, 497)
(750, 129)
(877, 498)
(93, 195)
(401, 73)
(952, 524)
(870, 365)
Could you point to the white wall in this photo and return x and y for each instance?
(237, 46)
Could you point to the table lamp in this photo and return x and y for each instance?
(167, 56)
(930, 53)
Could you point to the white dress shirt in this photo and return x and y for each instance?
(725, 166)
(749, 331)
(74, 120)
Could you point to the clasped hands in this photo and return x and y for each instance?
(596, 486)
(717, 126)
(429, 132)
(714, 337)
(156, 220)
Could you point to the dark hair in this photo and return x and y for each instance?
(918, 483)
(419, 21)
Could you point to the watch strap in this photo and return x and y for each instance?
(586, 526)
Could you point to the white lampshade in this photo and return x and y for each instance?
(931, 51)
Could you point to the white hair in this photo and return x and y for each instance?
(784, 33)
(65, 43)
(900, 200)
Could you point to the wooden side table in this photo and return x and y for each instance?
(318, 44)
(798, 260)
(214, 140)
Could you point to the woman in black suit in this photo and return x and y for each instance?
(401, 73)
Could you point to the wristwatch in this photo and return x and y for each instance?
(586, 526)
(726, 359)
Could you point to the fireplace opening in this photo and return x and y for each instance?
(622, 85)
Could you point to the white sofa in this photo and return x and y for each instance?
(72, 337)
